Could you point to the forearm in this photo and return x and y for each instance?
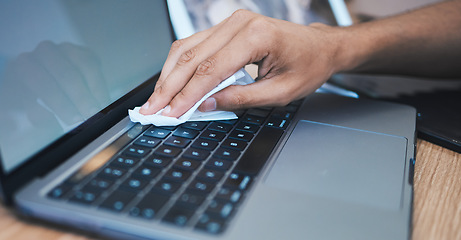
(424, 42)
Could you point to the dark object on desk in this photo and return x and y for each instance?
(437, 101)
(439, 116)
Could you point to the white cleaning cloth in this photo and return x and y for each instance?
(239, 78)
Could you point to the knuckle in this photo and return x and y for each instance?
(181, 94)
(239, 101)
(206, 67)
(188, 56)
(261, 31)
(259, 24)
(240, 14)
(177, 45)
(159, 89)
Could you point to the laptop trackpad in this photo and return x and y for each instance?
(342, 163)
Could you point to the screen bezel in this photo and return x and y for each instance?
(70, 143)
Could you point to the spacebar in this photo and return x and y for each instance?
(259, 151)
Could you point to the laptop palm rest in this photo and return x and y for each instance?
(356, 166)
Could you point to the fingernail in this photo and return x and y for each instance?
(166, 110)
(209, 105)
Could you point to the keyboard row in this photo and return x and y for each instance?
(192, 175)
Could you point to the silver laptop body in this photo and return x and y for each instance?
(342, 168)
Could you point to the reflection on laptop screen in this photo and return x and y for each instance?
(63, 61)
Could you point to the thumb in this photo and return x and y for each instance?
(261, 93)
(228, 99)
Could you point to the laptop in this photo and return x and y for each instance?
(325, 167)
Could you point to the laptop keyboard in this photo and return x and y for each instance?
(193, 176)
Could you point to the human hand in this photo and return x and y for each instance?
(293, 61)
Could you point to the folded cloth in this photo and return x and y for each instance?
(241, 77)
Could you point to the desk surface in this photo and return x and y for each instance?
(436, 214)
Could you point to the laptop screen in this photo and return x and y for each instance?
(62, 61)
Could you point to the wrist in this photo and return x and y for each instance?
(346, 47)
(354, 48)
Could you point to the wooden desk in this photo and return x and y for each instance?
(436, 214)
(437, 193)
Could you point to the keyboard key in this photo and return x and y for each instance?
(210, 224)
(118, 200)
(111, 173)
(262, 113)
(234, 144)
(195, 153)
(166, 187)
(190, 199)
(168, 151)
(254, 159)
(201, 186)
(146, 172)
(253, 119)
(136, 151)
(210, 175)
(86, 195)
(218, 164)
(124, 162)
(178, 215)
(185, 133)
(231, 121)
(146, 141)
(158, 161)
(60, 191)
(149, 206)
(219, 126)
(213, 135)
(195, 125)
(220, 209)
(241, 135)
(253, 128)
(157, 132)
(177, 175)
(282, 113)
(292, 107)
(177, 142)
(186, 164)
(134, 184)
(100, 183)
(238, 181)
(227, 154)
(227, 194)
(205, 144)
(277, 122)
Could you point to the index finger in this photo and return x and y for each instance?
(176, 76)
(249, 45)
